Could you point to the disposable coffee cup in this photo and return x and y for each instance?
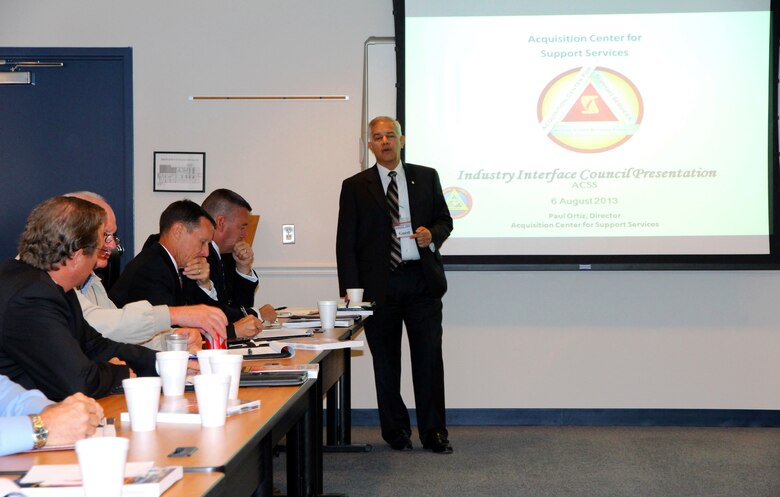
(355, 295)
(175, 341)
(102, 463)
(143, 401)
(204, 358)
(172, 367)
(212, 390)
(327, 310)
(229, 364)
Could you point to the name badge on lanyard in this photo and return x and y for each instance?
(403, 228)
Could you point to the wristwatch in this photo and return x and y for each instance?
(40, 433)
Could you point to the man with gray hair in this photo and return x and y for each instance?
(393, 220)
(45, 342)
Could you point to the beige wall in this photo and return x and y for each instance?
(512, 339)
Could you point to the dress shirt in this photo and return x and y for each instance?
(211, 291)
(15, 404)
(252, 276)
(409, 250)
(137, 322)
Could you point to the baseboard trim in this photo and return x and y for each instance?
(595, 417)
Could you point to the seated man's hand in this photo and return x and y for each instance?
(268, 313)
(72, 419)
(193, 367)
(248, 326)
(198, 269)
(244, 256)
(194, 339)
(211, 319)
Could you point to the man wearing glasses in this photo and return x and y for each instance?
(139, 322)
(45, 342)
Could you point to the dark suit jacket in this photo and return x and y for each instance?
(45, 343)
(233, 291)
(231, 295)
(153, 276)
(365, 228)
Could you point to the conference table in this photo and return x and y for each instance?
(242, 450)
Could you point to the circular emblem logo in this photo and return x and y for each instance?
(458, 201)
(590, 109)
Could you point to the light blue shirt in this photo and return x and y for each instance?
(15, 404)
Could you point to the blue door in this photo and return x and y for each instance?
(69, 129)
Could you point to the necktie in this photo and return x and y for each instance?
(392, 204)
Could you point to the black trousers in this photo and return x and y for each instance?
(408, 302)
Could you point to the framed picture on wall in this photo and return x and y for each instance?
(180, 171)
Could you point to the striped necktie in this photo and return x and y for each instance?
(392, 204)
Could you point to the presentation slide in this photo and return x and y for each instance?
(603, 132)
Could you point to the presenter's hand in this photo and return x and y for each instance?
(198, 269)
(74, 418)
(423, 236)
(244, 257)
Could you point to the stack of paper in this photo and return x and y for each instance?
(142, 479)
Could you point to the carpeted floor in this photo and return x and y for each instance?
(563, 461)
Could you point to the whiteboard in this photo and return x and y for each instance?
(379, 88)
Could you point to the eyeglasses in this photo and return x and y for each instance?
(109, 237)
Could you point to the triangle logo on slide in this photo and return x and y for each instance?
(458, 200)
(589, 107)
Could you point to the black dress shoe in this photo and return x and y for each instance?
(438, 443)
(401, 442)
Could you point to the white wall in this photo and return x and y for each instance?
(512, 339)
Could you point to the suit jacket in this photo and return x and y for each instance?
(233, 291)
(153, 276)
(365, 228)
(45, 343)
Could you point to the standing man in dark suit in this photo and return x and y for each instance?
(172, 271)
(230, 258)
(392, 221)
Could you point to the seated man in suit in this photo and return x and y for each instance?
(231, 257)
(139, 322)
(28, 420)
(45, 343)
(174, 270)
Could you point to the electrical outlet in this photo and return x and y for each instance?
(288, 233)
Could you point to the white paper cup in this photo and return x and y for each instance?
(174, 341)
(172, 367)
(327, 310)
(228, 364)
(143, 401)
(355, 295)
(211, 391)
(204, 357)
(102, 463)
